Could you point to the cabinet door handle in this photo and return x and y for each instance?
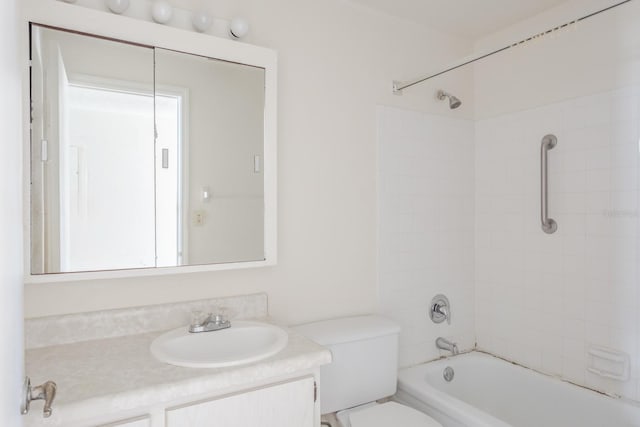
(45, 391)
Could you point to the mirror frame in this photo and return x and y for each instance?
(94, 22)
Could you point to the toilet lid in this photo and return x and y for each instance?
(391, 414)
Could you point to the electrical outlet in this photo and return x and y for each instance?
(199, 217)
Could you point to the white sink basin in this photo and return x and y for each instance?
(244, 342)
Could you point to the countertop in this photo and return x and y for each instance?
(120, 374)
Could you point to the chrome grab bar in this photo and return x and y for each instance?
(549, 226)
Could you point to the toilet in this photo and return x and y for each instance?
(364, 369)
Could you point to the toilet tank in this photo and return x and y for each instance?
(365, 359)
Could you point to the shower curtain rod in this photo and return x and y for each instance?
(398, 86)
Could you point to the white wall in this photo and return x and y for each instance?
(563, 13)
(595, 55)
(336, 63)
(11, 344)
(426, 223)
(545, 300)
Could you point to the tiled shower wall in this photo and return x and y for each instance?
(459, 214)
(545, 300)
(426, 222)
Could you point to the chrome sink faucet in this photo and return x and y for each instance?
(445, 344)
(212, 322)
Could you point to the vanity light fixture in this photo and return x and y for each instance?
(201, 20)
(161, 11)
(238, 28)
(117, 6)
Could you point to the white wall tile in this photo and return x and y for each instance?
(579, 286)
(426, 163)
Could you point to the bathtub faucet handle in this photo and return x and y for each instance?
(440, 309)
(443, 310)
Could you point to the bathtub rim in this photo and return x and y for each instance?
(464, 415)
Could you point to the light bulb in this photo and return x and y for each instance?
(201, 20)
(117, 6)
(161, 11)
(238, 28)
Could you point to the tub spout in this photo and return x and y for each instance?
(445, 344)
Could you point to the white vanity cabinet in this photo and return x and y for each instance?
(288, 404)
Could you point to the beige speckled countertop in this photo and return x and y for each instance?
(120, 375)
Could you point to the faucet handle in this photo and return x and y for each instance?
(218, 318)
(444, 311)
(199, 318)
(228, 312)
(440, 309)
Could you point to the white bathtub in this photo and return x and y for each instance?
(489, 392)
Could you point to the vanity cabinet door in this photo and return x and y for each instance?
(137, 422)
(289, 404)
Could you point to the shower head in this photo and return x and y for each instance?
(453, 101)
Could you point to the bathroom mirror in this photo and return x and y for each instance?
(143, 157)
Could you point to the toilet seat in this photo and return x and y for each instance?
(387, 415)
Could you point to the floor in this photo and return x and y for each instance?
(331, 419)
